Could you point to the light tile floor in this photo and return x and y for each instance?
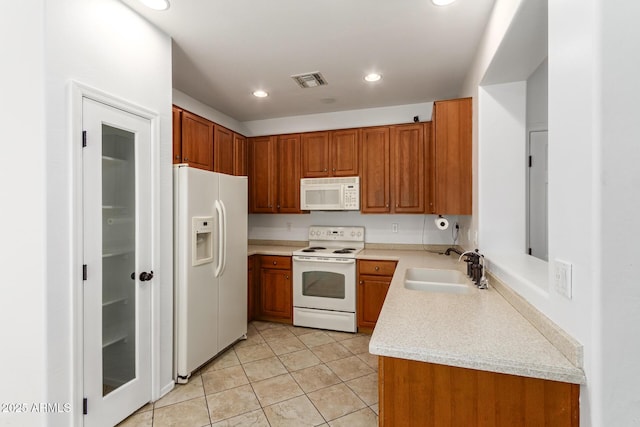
(280, 375)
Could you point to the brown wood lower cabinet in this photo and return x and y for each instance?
(426, 394)
(374, 279)
(275, 291)
(251, 288)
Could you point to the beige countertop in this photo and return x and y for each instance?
(477, 330)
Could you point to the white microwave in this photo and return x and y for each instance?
(330, 194)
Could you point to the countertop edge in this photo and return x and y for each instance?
(545, 372)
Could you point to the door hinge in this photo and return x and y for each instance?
(84, 138)
(84, 271)
(530, 161)
(84, 406)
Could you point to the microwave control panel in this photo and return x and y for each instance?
(351, 197)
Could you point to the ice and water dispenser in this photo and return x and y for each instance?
(202, 240)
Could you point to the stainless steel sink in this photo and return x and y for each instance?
(435, 280)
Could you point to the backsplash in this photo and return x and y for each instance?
(412, 229)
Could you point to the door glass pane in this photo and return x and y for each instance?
(118, 258)
(323, 284)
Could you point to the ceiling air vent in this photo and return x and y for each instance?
(307, 80)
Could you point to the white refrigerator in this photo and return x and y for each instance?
(210, 265)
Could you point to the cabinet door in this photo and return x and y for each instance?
(251, 294)
(239, 155)
(372, 290)
(374, 186)
(223, 150)
(429, 168)
(177, 134)
(344, 152)
(452, 136)
(197, 141)
(275, 294)
(408, 168)
(289, 173)
(315, 154)
(262, 174)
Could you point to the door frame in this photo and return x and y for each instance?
(78, 91)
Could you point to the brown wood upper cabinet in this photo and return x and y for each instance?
(394, 165)
(240, 155)
(177, 134)
(206, 145)
(452, 124)
(223, 150)
(333, 153)
(375, 194)
(274, 174)
(197, 141)
(408, 166)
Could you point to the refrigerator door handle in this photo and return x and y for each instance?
(220, 239)
(223, 229)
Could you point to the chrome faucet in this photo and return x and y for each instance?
(475, 268)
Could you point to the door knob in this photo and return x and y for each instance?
(144, 276)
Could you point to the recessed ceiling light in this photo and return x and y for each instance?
(156, 4)
(442, 2)
(260, 94)
(373, 77)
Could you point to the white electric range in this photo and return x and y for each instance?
(324, 278)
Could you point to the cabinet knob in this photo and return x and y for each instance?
(278, 206)
(177, 157)
(275, 262)
(324, 170)
(377, 268)
(361, 282)
(396, 205)
(387, 205)
(186, 159)
(334, 169)
(286, 277)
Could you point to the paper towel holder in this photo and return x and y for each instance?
(442, 223)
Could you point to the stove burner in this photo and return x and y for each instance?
(313, 249)
(343, 251)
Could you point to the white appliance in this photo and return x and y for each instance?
(324, 279)
(330, 194)
(210, 265)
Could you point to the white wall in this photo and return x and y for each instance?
(412, 229)
(538, 98)
(185, 101)
(593, 202)
(103, 44)
(617, 298)
(341, 119)
(23, 215)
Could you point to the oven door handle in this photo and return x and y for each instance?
(325, 260)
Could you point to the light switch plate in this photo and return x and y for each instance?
(562, 277)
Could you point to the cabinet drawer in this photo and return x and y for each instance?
(272, 261)
(377, 268)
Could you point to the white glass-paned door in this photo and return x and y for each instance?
(117, 254)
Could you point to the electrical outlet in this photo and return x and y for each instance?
(562, 277)
(394, 227)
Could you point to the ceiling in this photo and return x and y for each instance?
(223, 50)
